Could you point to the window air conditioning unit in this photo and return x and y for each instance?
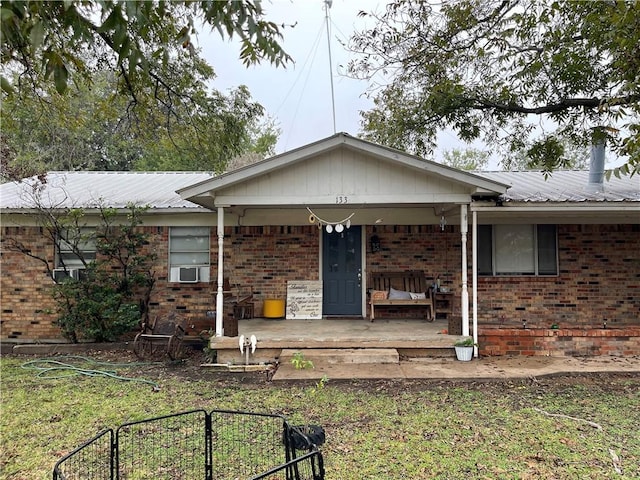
(60, 274)
(188, 274)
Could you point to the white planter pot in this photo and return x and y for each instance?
(464, 354)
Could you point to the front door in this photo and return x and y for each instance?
(342, 272)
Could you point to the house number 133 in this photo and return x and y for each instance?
(342, 199)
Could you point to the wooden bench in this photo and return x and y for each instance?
(413, 281)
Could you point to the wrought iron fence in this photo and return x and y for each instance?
(94, 459)
(309, 466)
(220, 444)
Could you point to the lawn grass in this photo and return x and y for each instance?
(374, 429)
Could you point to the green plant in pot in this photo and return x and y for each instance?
(464, 349)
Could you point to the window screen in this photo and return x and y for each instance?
(517, 250)
(76, 248)
(189, 246)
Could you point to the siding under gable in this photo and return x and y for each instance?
(339, 173)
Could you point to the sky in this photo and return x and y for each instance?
(299, 96)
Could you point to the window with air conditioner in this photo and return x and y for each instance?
(189, 253)
(517, 250)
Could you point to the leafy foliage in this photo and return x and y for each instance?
(468, 159)
(61, 41)
(111, 296)
(119, 85)
(90, 128)
(484, 68)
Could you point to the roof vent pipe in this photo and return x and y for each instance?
(596, 165)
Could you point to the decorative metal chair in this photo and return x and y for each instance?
(164, 333)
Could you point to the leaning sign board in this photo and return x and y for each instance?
(304, 300)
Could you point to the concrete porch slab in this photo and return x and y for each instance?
(344, 355)
(407, 336)
(488, 368)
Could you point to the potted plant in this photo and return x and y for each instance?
(464, 349)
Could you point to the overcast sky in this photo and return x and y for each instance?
(299, 97)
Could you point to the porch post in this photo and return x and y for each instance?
(220, 293)
(465, 293)
(474, 270)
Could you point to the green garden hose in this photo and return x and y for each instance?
(53, 368)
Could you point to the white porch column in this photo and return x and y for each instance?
(220, 293)
(465, 293)
(474, 270)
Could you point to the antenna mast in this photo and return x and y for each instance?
(327, 6)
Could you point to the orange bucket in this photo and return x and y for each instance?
(273, 308)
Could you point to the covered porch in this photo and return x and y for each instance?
(336, 212)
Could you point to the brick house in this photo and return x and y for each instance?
(534, 266)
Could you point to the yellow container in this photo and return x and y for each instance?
(273, 308)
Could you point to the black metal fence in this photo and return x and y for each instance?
(192, 445)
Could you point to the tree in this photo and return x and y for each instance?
(85, 129)
(468, 159)
(521, 75)
(113, 85)
(60, 41)
(224, 127)
(88, 128)
(112, 295)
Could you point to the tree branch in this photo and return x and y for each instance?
(594, 102)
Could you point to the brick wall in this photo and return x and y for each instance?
(259, 258)
(560, 342)
(416, 247)
(599, 278)
(25, 286)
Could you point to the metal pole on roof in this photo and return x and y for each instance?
(327, 6)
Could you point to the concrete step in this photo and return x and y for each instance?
(333, 356)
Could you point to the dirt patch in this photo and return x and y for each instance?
(189, 368)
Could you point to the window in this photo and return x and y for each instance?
(189, 254)
(76, 248)
(517, 250)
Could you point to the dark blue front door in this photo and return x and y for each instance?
(342, 272)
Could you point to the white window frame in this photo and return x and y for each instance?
(66, 258)
(189, 247)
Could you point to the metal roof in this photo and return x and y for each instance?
(93, 189)
(158, 189)
(564, 186)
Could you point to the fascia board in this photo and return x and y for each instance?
(599, 207)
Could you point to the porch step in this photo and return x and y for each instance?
(335, 356)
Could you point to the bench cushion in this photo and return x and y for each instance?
(398, 294)
(379, 295)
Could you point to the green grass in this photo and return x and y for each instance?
(375, 429)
